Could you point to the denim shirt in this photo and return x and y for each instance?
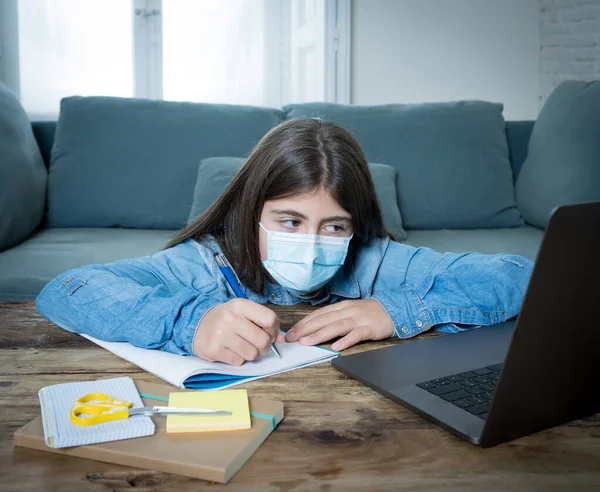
(158, 301)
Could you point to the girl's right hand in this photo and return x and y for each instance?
(237, 331)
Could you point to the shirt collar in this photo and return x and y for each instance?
(367, 261)
(355, 279)
(344, 282)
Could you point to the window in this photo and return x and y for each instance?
(69, 47)
(259, 52)
(235, 72)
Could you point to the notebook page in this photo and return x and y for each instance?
(175, 369)
(60, 432)
(293, 355)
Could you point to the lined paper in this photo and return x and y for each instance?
(60, 432)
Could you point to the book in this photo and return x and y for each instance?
(214, 456)
(236, 401)
(188, 371)
(60, 432)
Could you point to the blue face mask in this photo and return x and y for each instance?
(303, 263)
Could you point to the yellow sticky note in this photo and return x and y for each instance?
(235, 401)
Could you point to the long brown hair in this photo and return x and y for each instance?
(297, 156)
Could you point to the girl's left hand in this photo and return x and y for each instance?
(359, 320)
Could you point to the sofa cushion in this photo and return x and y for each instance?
(215, 173)
(563, 161)
(517, 136)
(524, 240)
(451, 159)
(119, 162)
(22, 173)
(31, 265)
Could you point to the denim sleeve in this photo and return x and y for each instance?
(448, 291)
(152, 302)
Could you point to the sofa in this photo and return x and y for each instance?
(120, 177)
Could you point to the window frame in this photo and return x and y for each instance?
(147, 56)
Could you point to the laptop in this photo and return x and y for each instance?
(500, 382)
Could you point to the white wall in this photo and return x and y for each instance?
(410, 51)
(569, 42)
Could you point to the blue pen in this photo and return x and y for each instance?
(232, 280)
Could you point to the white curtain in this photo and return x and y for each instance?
(214, 51)
(73, 47)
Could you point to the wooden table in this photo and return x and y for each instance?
(337, 434)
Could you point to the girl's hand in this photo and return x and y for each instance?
(359, 320)
(235, 332)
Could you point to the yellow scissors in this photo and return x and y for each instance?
(99, 407)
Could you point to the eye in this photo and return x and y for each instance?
(335, 228)
(290, 223)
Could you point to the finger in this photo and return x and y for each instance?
(352, 338)
(280, 338)
(333, 330)
(316, 324)
(260, 315)
(253, 334)
(242, 347)
(229, 357)
(324, 310)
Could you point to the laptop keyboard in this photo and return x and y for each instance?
(471, 390)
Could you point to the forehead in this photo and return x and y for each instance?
(314, 204)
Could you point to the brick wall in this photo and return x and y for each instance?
(569, 42)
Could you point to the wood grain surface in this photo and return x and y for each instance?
(337, 433)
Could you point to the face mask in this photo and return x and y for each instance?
(303, 263)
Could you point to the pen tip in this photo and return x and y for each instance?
(275, 351)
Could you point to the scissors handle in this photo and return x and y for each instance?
(100, 407)
(103, 399)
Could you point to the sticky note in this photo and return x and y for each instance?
(235, 401)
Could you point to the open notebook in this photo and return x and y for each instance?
(191, 372)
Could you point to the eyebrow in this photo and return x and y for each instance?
(294, 213)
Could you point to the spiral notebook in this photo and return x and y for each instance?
(60, 432)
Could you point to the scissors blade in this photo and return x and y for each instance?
(157, 410)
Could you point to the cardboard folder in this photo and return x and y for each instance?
(214, 456)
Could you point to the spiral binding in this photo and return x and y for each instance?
(47, 418)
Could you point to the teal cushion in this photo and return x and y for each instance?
(524, 240)
(451, 159)
(215, 173)
(132, 163)
(563, 161)
(384, 180)
(25, 270)
(22, 173)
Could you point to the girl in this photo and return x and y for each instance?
(300, 222)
